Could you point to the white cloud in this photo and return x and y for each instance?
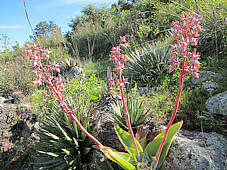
(11, 26)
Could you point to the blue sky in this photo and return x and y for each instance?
(13, 21)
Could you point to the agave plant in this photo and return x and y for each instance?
(61, 144)
(148, 64)
(136, 108)
(69, 63)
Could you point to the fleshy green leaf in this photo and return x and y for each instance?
(152, 148)
(85, 124)
(123, 159)
(49, 153)
(126, 140)
(51, 135)
(75, 129)
(64, 133)
(66, 151)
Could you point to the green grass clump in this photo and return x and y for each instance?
(98, 68)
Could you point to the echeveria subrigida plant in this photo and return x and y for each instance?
(152, 156)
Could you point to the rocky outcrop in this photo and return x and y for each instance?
(145, 90)
(17, 124)
(70, 74)
(199, 151)
(208, 88)
(205, 76)
(217, 104)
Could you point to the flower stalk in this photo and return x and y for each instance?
(119, 61)
(183, 60)
(170, 122)
(128, 119)
(43, 74)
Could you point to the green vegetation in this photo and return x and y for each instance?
(15, 73)
(137, 111)
(87, 91)
(148, 64)
(147, 25)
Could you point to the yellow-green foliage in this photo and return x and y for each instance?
(14, 72)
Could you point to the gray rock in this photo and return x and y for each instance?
(70, 74)
(217, 104)
(199, 151)
(204, 76)
(209, 87)
(145, 90)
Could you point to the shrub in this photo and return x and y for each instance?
(98, 68)
(88, 90)
(15, 73)
(213, 38)
(161, 105)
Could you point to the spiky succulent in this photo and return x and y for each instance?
(148, 64)
(69, 63)
(137, 111)
(61, 143)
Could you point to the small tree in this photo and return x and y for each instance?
(45, 28)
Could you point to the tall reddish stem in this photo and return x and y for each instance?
(128, 117)
(58, 93)
(30, 23)
(171, 119)
(70, 112)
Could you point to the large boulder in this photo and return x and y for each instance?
(70, 74)
(205, 76)
(209, 87)
(145, 90)
(198, 151)
(217, 104)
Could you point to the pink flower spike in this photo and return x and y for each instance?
(47, 56)
(43, 101)
(111, 83)
(114, 76)
(37, 82)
